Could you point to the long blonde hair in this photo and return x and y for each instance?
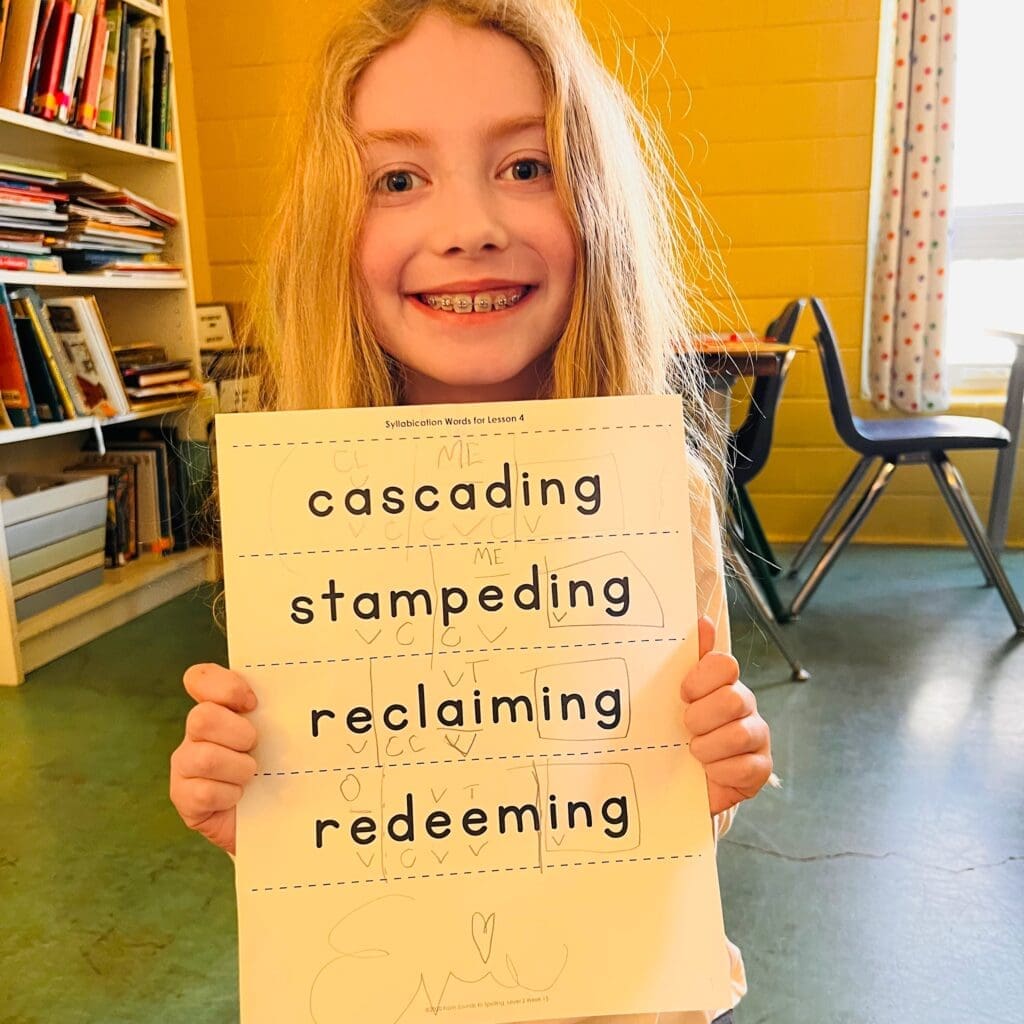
(631, 322)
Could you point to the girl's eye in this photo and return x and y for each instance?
(526, 161)
(402, 179)
(404, 184)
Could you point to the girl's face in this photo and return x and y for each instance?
(467, 208)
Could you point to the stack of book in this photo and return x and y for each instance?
(53, 220)
(57, 362)
(31, 215)
(149, 376)
(112, 231)
(102, 65)
(150, 499)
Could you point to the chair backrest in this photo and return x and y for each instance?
(835, 379)
(752, 440)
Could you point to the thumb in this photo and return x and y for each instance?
(706, 636)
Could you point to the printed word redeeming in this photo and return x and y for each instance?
(401, 826)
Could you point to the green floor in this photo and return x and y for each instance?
(884, 882)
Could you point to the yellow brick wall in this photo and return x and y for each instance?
(769, 106)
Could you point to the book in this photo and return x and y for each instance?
(58, 359)
(5, 13)
(159, 88)
(19, 35)
(72, 321)
(88, 106)
(107, 103)
(157, 449)
(132, 84)
(17, 396)
(44, 391)
(127, 507)
(148, 30)
(40, 264)
(122, 70)
(86, 10)
(188, 474)
(66, 79)
(119, 509)
(166, 392)
(47, 15)
(45, 98)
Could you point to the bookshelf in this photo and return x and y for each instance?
(160, 311)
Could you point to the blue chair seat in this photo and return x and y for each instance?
(891, 438)
(892, 442)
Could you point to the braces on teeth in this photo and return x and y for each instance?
(481, 303)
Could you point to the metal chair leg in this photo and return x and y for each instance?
(753, 530)
(963, 527)
(842, 538)
(952, 486)
(759, 568)
(831, 514)
(763, 613)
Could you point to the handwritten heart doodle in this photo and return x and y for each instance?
(483, 935)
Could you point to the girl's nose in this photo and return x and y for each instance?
(468, 219)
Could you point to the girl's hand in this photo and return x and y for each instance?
(212, 764)
(730, 738)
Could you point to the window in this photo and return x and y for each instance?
(986, 273)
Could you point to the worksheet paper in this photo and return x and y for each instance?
(467, 626)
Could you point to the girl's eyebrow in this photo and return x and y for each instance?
(497, 130)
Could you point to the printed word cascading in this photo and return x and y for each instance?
(464, 496)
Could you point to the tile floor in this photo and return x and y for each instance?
(884, 882)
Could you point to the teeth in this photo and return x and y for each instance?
(482, 302)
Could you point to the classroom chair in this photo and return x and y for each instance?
(895, 442)
(748, 451)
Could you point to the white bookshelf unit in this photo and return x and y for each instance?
(134, 310)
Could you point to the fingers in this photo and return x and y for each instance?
(715, 669)
(706, 635)
(746, 773)
(747, 735)
(214, 723)
(721, 706)
(197, 799)
(208, 761)
(211, 682)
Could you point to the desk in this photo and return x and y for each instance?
(727, 357)
(999, 511)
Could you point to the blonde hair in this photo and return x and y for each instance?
(631, 322)
(614, 174)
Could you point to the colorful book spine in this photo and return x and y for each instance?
(66, 79)
(108, 79)
(88, 107)
(122, 76)
(17, 395)
(26, 304)
(51, 63)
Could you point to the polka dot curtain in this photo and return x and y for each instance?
(907, 364)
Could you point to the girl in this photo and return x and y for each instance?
(492, 217)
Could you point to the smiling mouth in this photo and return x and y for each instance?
(474, 316)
